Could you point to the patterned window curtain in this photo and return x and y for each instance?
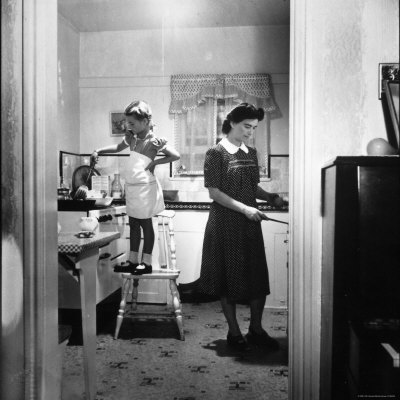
(195, 133)
(199, 104)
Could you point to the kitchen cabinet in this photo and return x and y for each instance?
(276, 249)
(114, 219)
(189, 226)
(189, 234)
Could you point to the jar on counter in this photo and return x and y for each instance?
(63, 190)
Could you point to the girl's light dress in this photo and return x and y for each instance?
(143, 192)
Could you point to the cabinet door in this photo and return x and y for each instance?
(276, 249)
(189, 236)
(189, 248)
(278, 272)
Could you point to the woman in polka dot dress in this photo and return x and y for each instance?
(234, 265)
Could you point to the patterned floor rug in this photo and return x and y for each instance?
(149, 362)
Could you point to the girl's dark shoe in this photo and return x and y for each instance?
(126, 267)
(237, 342)
(262, 339)
(142, 269)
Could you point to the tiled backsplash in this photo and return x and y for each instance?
(190, 188)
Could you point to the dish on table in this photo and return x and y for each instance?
(85, 234)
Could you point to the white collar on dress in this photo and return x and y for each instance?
(231, 148)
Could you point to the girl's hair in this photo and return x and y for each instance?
(140, 110)
(241, 112)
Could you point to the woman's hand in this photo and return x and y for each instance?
(94, 158)
(278, 202)
(253, 213)
(150, 167)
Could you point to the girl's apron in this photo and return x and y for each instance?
(143, 193)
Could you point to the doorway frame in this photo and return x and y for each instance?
(40, 99)
(304, 220)
(31, 117)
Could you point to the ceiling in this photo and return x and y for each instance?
(113, 15)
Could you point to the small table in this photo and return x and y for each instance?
(84, 254)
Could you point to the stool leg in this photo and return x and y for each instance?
(177, 307)
(125, 291)
(135, 294)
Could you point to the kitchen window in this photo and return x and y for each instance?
(200, 103)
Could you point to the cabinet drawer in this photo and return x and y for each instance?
(105, 254)
(190, 221)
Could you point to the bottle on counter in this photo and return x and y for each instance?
(63, 190)
(116, 187)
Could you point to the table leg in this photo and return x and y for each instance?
(87, 274)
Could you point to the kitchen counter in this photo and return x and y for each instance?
(68, 243)
(198, 205)
(78, 205)
(184, 205)
(86, 205)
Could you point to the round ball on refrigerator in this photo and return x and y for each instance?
(380, 147)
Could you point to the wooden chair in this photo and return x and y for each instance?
(167, 269)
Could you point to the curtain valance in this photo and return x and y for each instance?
(188, 91)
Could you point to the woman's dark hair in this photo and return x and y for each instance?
(241, 112)
(140, 110)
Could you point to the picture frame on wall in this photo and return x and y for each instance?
(117, 123)
(387, 72)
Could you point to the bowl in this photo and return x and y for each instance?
(101, 201)
(88, 224)
(170, 195)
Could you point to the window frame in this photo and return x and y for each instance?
(178, 171)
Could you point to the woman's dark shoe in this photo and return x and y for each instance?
(126, 267)
(237, 342)
(262, 339)
(142, 269)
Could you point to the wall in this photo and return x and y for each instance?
(68, 86)
(116, 67)
(336, 48)
(346, 95)
(380, 43)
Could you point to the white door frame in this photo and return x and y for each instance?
(40, 181)
(39, 63)
(305, 232)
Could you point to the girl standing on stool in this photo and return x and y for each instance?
(143, 193)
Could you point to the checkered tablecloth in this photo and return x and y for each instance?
(68, 243)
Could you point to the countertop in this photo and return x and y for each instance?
(205, 205)
(68, 243)
(185, 205)
(85, 205)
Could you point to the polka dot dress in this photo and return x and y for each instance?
(233, 262)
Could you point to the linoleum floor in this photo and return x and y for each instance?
(149, 362)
